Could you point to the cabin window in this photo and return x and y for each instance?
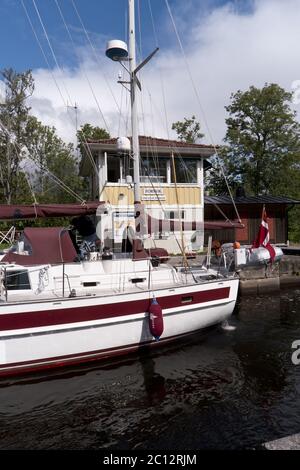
(136, 280)
(17, 280)
(186, 170)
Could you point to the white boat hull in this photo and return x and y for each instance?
(69, 331)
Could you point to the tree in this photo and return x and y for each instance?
(215, 176)
(188, 130)
(88, 132)
(263, 141)
(13, 118)
(52, 157)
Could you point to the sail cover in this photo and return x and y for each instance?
(45, 245)
(33, 211)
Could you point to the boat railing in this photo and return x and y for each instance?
(65, 276)
(4, 285)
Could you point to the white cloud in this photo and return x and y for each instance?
(226, 51)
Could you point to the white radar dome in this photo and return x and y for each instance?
(116, 50)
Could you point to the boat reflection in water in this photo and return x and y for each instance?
(220, 389)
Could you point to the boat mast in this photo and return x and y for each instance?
(133, 89)
(117, 51)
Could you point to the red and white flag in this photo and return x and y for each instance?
(263, 236)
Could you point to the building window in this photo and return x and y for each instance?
(153, 170)
(186, 170)
(113, 169)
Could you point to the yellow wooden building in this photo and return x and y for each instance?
(172, 185)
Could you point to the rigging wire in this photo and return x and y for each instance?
(95, 55)
(50, 47)
(83, 68)
(160, 73)
(200, 105)
(90, 156)
(140, 51)
(153, 145)
(153, 151)
(43, 52)
(39, 165)
(185, 261)
(30, 186)
(174, 148)
(88, 151)
(166, 125)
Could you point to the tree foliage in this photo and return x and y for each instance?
(23, 139)
(188, 130)
(52, 157)
(262, 142)
(262, 148)
(13, 118)
(88, 132)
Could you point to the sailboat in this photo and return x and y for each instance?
(59, 308)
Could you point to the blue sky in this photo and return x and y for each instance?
(103, 19)
(229, 45)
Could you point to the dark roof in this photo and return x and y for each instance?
(250, 200)
(154, 141)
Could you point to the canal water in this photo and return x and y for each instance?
(225, 389)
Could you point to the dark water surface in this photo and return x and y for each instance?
(222, 389)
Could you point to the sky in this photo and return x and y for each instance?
(223, 46)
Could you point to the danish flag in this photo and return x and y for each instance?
(263, 236)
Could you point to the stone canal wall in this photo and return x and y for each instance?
(271, 279)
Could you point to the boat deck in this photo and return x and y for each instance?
(187, 279)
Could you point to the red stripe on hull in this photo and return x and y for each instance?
(16, 321)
